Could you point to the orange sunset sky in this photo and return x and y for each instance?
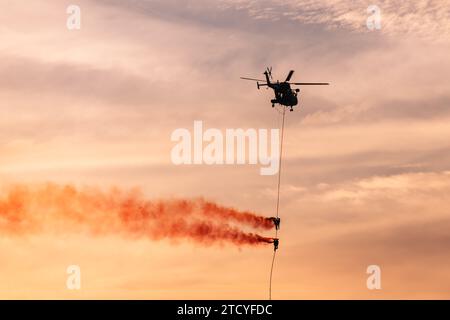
(366, 172)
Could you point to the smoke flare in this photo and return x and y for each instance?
(65, 209)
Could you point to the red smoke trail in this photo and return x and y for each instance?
(66, 209)
(248, 218)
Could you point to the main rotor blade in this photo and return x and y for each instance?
(252, 79)
(309, 83)
(289, 76)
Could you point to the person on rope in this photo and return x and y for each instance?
(275, 242)
(276, 221)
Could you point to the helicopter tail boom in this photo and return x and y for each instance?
(268, 74)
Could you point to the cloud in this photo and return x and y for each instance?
(429, 19)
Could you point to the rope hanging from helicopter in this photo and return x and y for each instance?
(283, 113)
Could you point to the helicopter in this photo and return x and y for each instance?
(284, 95)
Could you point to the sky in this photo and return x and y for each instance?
(366, 162)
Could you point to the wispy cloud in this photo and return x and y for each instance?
(425, 18)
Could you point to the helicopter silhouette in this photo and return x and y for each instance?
(284, 94)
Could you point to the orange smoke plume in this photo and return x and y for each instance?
(66, 209)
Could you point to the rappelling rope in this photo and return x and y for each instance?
(279, 166)
(278, 197)
(271, 270)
